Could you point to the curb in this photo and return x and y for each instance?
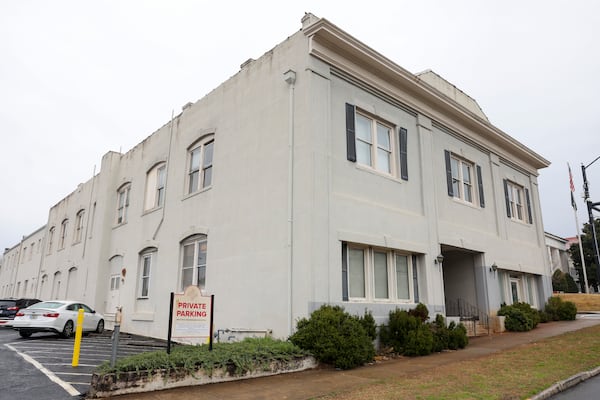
(566, 384)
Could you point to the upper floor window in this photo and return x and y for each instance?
(31, 252)
(200, 165)
(79, 226)
(371, 142)
(23, 255)
(155, 187)
(63, 234)
(193, 267)
(461, 175)
(370, 273)
(123, 204)
(50, 238)
(518, 203)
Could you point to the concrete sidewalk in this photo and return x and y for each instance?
(322, 381)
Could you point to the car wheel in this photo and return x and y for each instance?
(24, 334)
(100, 327)
(67, 330)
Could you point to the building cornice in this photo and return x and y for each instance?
(337, 48)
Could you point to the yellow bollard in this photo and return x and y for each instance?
(78, 334)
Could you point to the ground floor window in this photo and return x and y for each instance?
(377, 274)
(193, 268)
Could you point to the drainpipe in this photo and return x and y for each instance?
(290, 78)
(162, 217)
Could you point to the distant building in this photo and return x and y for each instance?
(558, 252)
(320, 173)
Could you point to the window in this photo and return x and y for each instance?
(114, 282)
(155, 187)
(23, 255)
(193, 267)
(371, 142)
(123, 204)
(146, 260)
(460, 175)
(377, 274)
(200, 165)
(518, 204)
(50, 239)
(63, 234)
(79, 226)
(31, 252)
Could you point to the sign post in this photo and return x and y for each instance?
(190, 318)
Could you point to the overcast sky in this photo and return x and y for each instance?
(81, 78)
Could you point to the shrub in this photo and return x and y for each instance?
(335, 337)
(395, 333)
(520, 317)
(369, 325)
(559, 310)
(457, 338)
(419, 342)
(408, 333)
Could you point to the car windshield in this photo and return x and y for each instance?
(47, 304)
(7, 303)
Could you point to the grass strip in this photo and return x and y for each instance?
(512, 374)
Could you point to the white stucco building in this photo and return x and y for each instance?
(321, 172)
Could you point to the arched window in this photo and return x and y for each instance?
(147, 261)
(193, 266)
(63, 234)
(50, 238)
(79, 226)
(200, 164)
(123, 203)
(56, 285)
(155, 186)
(71, 283)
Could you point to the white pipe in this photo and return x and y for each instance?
(290, 78)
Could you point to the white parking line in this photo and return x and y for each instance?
(70, 389)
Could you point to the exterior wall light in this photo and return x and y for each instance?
(494, 268)
(439, 259)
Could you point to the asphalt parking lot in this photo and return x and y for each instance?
(49, 359)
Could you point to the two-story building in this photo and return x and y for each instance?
(320, 173)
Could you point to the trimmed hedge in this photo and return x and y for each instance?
(557, 309)
(520, 317)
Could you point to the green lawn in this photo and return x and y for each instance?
(514, 374)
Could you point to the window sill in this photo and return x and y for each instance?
(373, 171)
(466, 203)
(142, 316)
(151, 210)
(196, 193)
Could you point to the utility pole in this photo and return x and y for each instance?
(590, 207)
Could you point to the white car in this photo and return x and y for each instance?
(58, 316)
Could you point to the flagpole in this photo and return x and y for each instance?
(572, 187)
(581, 252)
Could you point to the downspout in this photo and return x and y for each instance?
(162, 217)
(290, 78)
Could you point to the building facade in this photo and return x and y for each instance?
(321, 173)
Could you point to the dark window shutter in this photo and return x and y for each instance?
(415, 279)
(403, 154)
(528, 206)
(350, 134)
(507, 199)
(449, 173)
(344, 272)
(480, 184)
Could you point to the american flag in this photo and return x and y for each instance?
(572, 188)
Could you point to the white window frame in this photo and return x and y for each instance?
(376, 147)
(123, 204)
(198, 269)
(63, 234)
(463, 187)
(155, 186)
(516, 198)
(79, 226)
(200, 165)
(51, 232)
(147, 259)
(369, 253)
